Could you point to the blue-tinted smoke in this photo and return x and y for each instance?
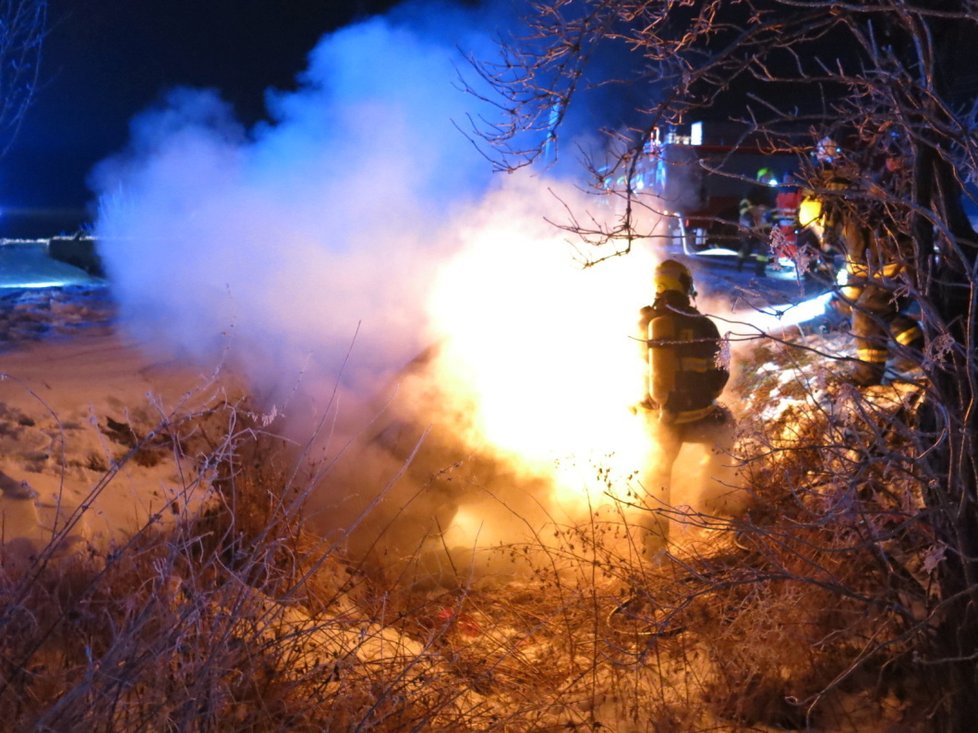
(312, 235)
(308, 244)
(310, 247)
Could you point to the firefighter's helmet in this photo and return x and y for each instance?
(765, 176)
(673, 275)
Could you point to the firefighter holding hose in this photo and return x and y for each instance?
(687, 371)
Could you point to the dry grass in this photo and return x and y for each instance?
(238, 618)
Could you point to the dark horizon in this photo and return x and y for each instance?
(43, 223)
(105, 64)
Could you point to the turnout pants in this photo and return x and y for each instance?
(716, 432)
(876, 318)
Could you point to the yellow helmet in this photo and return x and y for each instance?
(673, 275)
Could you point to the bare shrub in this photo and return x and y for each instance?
(882, 85)
(240, 618)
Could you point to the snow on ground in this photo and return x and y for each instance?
(74, 390)
(74, 394)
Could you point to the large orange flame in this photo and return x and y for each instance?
(544, 351)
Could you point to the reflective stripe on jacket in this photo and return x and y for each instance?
(685, 373)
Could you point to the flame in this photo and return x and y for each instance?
(542, 351)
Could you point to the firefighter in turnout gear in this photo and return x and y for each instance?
(686, 374)
(754, 212)
(877, 251)
(877, 313)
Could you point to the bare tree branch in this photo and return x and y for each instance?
(885, 80)
(23, 25)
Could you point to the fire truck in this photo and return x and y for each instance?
(700, 175)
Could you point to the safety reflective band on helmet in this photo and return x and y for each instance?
(873, 356)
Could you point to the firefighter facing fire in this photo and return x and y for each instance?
(686, 374)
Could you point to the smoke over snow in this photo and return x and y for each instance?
(359, 227)
(289, 235)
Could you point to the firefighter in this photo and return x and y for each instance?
(877, 251)
(754, 209)
(877, 313)
(687, 371)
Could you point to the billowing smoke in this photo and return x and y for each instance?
(359, 239)
(317, 228)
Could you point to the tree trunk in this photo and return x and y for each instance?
(951, 417)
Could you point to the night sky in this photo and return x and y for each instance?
(107, 60)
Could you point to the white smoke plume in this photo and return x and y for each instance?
(294, 233)
(358, 227)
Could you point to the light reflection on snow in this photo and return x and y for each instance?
(26, 265)
(771, 319)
